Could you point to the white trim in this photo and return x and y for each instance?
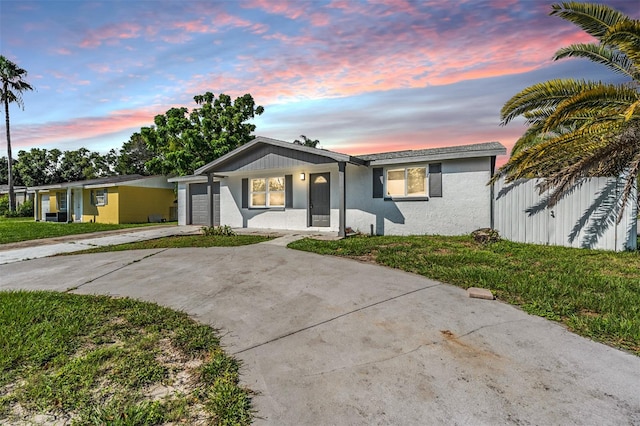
(405, 169)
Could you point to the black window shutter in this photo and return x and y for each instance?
(378, 190)
(288, 191)
(435, 180)
(245, 193)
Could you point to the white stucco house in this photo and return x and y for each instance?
(273, 184)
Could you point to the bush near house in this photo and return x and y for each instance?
(22, 210)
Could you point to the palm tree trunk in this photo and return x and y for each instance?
(12, 195)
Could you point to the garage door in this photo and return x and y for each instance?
(200, 204)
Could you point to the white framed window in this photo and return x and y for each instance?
(267, 192)
(407, 182)
(61, 201)
(100, 197)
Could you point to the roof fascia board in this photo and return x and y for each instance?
(437, 157)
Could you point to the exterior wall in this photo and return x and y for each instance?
(295, 218)
(109, 213)
(136, 204)
(182, 203)
(465, 204)
(53, 200)
(578, 220)
(464, 207)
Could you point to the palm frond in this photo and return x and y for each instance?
(600, 100)
(625, 36)
(594, 19)
(600, 54)
(545, 95)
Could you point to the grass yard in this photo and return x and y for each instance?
(181, 241)
(13, 230)
(68, 358)
(594, 293)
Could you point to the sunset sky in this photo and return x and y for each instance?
(359, 76)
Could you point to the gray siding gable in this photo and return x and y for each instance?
(263, 157)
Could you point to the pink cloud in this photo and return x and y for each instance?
(121, 31)
(62, 51)
(83, 128)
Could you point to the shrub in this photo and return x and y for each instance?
(4, 204)
(224, 231)
(23, 210)
(485, 236)
(26, 209)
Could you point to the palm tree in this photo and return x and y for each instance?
(13, 85)
(577, 128)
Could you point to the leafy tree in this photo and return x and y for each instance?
(4, 178)
(133, 157)
(38, 166)
(577, 128)
(183, 141)
(13, 84)
(4, 174)
(306, 142)
(83, 164)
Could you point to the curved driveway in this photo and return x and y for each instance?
(326, 340)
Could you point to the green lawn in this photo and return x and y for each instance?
(594, 293)
(181, 241)
(99, 360)
(22, 229)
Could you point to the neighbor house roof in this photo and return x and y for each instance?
(108, 181)
(4, 189)
(487, 149)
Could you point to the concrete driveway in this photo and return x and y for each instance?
(333, 341)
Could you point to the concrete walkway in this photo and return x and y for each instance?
(36, 249)
(331, 341)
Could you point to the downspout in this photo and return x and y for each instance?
(491, 192)
(342, 184)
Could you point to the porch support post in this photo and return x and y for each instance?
(69, 206)
(210, 197)
(36, 205)
(342, 199)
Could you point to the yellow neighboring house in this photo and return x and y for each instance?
(114, 199)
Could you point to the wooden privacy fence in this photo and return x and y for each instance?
(585, 218)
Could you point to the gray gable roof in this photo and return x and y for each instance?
(263, 152)
(303, 153)
(487, 149)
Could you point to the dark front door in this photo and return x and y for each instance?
(320, 199)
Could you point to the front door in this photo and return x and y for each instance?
(320, 199)
(44, 206)
(77, 205)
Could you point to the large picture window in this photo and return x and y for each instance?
(267, 192)
(407, 182)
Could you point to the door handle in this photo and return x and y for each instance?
(310, 205)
